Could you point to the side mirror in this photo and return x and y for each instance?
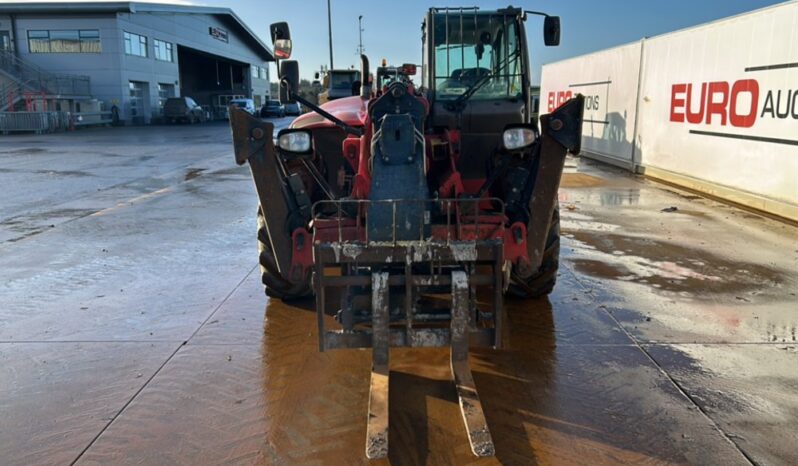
(282, 48)
(289, 81)
(281, 38)
(551, 31)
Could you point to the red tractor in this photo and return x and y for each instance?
(401, 193)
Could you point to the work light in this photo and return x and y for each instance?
(518, 137)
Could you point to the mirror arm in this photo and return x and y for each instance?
(339, 123)
(538, 13)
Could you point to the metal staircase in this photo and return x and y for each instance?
(23, 81)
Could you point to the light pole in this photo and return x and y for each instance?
(360, 33)
(329, 29)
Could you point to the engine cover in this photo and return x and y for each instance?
(398, 167)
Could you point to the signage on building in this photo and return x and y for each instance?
(218, 34)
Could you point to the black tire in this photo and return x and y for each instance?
(275, 284)
(541, 283)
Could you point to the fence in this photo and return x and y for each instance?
(38, 122)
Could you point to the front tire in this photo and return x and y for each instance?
(275, 284)
(542, 282)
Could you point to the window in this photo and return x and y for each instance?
(5, 41)
(64, 41)
(254, 71)
(343, 80)
(136, 97)
(90, 41)
(163, 50)
(482, 50)
(39, 41)
(135, 44)
(263, 72)
(165, 91)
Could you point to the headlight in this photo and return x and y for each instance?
(295, 141)
(518, 137)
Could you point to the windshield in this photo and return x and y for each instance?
(388, 76)
(471, 46)
(342, 80)
(273, 103)
(241, 103)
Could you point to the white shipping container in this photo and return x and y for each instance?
(713, 107)
(719, 103)
(609, 82)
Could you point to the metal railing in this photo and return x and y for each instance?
(27, 78)
(38, 122)
(458, 216)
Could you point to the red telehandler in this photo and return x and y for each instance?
(387, 198)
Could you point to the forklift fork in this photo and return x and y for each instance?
(471, 408)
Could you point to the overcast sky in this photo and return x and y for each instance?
(392, 27)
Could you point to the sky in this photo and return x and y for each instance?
(392, 28)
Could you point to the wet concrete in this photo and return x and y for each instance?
(134, 329)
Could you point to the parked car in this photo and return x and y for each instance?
(272, 108)
(246, 104)
(293, 109)
(183, 109)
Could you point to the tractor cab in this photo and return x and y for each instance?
(387, 74)
(338, 84)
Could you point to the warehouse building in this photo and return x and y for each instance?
(127, 56)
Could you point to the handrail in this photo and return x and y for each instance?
(31, 78)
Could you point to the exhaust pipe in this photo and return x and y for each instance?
(365, 84)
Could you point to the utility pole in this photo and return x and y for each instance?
(329, 28)
(360, 32)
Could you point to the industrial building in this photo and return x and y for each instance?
(127, 57)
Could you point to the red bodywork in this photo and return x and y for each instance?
(356, 151)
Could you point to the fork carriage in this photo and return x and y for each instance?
(385, 282)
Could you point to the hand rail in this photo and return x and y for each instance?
(30, 77)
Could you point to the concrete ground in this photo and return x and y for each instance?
(134, 330)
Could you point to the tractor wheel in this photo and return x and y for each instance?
(542, 282)
(275, 284)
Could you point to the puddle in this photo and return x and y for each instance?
(581, 180)
(29, 225)
(669, 267)
(55, 173)
(193, 173)
(24, 151)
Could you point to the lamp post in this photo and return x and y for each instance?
(329, 29)
(360, 33)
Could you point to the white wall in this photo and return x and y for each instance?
(609, 82)
(741, 143)
(720, 53)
